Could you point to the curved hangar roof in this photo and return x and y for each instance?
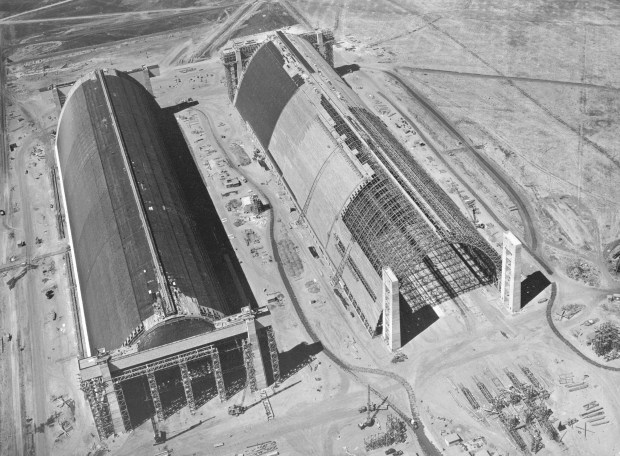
(264, 91)
(116, 173)
(342, 164)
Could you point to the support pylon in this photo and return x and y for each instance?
(273, 354)
(120, 396)
(219, 376)
(248, 362)
(257, 356)
(187, 386)
(159, 410)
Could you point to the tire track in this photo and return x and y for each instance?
(506, 77)
(428, 448)
(530, 233)
(556, 331)
(615, 160)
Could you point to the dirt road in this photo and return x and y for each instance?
(34, 10)
(8, 20)
(530, 233)
(508, 78)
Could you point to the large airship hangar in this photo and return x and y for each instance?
(159, 318)
(388, 231)
(153, 311)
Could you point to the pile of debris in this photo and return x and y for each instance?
(313, 286)
(399, 357)
(584, 272)
(568, 311)
(396, 432)
(521, 408)
(606, 340)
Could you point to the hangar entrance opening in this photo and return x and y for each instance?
(139, 398)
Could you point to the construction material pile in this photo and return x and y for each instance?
(570, 310)
(606, 341)
(520, 408)
(396, 432)
(584, 272)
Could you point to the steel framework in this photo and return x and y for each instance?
(248, 361)
(187, 386)
(159, 409)
(273, 354)
(219, 376)
(396, 432)
(427, 195)
(403, 219)
(98, 401)
(122, 404)
(237, 57)
(197, 353)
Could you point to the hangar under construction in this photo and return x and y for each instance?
(370, 205)
(156, 328)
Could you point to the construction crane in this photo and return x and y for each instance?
(369, 409)
(238, 409)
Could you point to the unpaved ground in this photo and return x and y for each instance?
(41, 399)
(532, 87)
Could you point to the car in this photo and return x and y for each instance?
(390, 451)
(398, 453)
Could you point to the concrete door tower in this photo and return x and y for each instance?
(391, 310)
(511, 272)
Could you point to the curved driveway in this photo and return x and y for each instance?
(556, 331)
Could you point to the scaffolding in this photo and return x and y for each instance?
(235, 60)
(219, 376)
(401, 218)
(165, 363)
(273, 354)
(122, 404)
(396, 432)
(323, 42)
(521, 406)
(95, 392)
(187, 387)
(248, 361)
(159, 409)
